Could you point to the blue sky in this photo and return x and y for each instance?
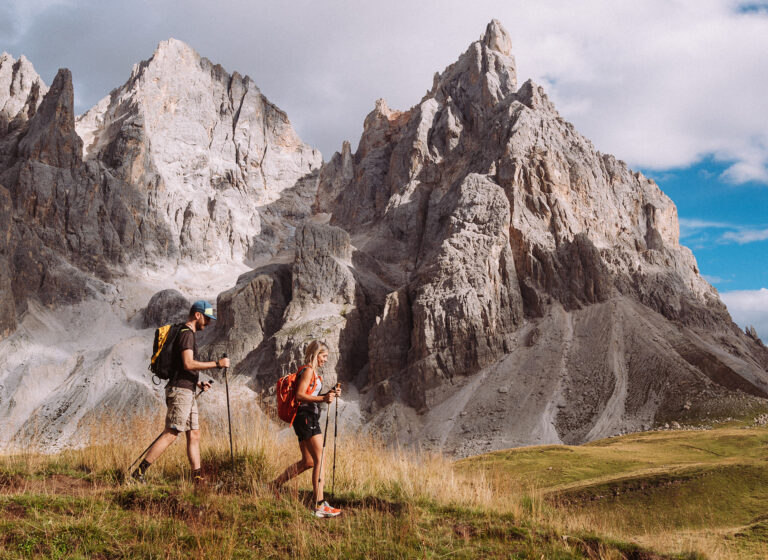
(724, 224)
(726, 227)
(677, 89)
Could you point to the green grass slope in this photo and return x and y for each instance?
(706, 488)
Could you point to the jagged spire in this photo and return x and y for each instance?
(497, 38)
(51, 137)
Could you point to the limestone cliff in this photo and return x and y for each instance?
(183, 163)
(208, 151)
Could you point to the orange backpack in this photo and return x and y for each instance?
(287, 405)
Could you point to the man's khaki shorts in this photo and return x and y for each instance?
(182, 409)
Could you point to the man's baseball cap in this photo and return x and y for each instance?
(204, 307)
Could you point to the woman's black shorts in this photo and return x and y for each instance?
(306, 424)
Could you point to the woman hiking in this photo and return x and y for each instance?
(307, 426)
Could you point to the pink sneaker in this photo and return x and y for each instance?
(324, 510)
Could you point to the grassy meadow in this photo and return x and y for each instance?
(675, 494)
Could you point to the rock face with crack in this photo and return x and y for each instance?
(206, 149)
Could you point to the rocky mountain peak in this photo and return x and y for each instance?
(523, 271)
(208, 149)
(21, 91)
(497, 38)
(171, 56)
(173, 47)
(484, 75)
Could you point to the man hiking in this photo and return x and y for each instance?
(180, 393)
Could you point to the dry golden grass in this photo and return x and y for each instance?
(364, 465)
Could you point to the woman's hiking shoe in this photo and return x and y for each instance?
(324, 510)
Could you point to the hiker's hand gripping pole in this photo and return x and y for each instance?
(204, 386)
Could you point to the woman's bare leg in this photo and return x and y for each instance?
(298, 467)
(315, 447)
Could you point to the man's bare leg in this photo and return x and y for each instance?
(193, 448)
(298, 467)
(168, 436)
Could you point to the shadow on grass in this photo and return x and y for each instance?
(595, 547)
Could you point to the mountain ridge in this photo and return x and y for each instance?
(485, 277)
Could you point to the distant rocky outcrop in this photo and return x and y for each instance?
(752, 333)
(21, 91)
(166, 306)
(272, 313)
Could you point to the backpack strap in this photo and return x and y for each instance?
(311, 383)
(175, 375)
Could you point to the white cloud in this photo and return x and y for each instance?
(694, 226)
(695, 230)
(746, 236)
(659, 84)
(746, 171)
(749, 307)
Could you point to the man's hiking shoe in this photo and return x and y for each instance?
(324, 510)
(138, 477)
(199, 481)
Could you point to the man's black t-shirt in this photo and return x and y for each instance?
(184, 378)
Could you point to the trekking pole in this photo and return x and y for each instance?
(335, 433)
(229, 417)
(322, 454)
(210, 382)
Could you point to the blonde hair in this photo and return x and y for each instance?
(313, 351)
